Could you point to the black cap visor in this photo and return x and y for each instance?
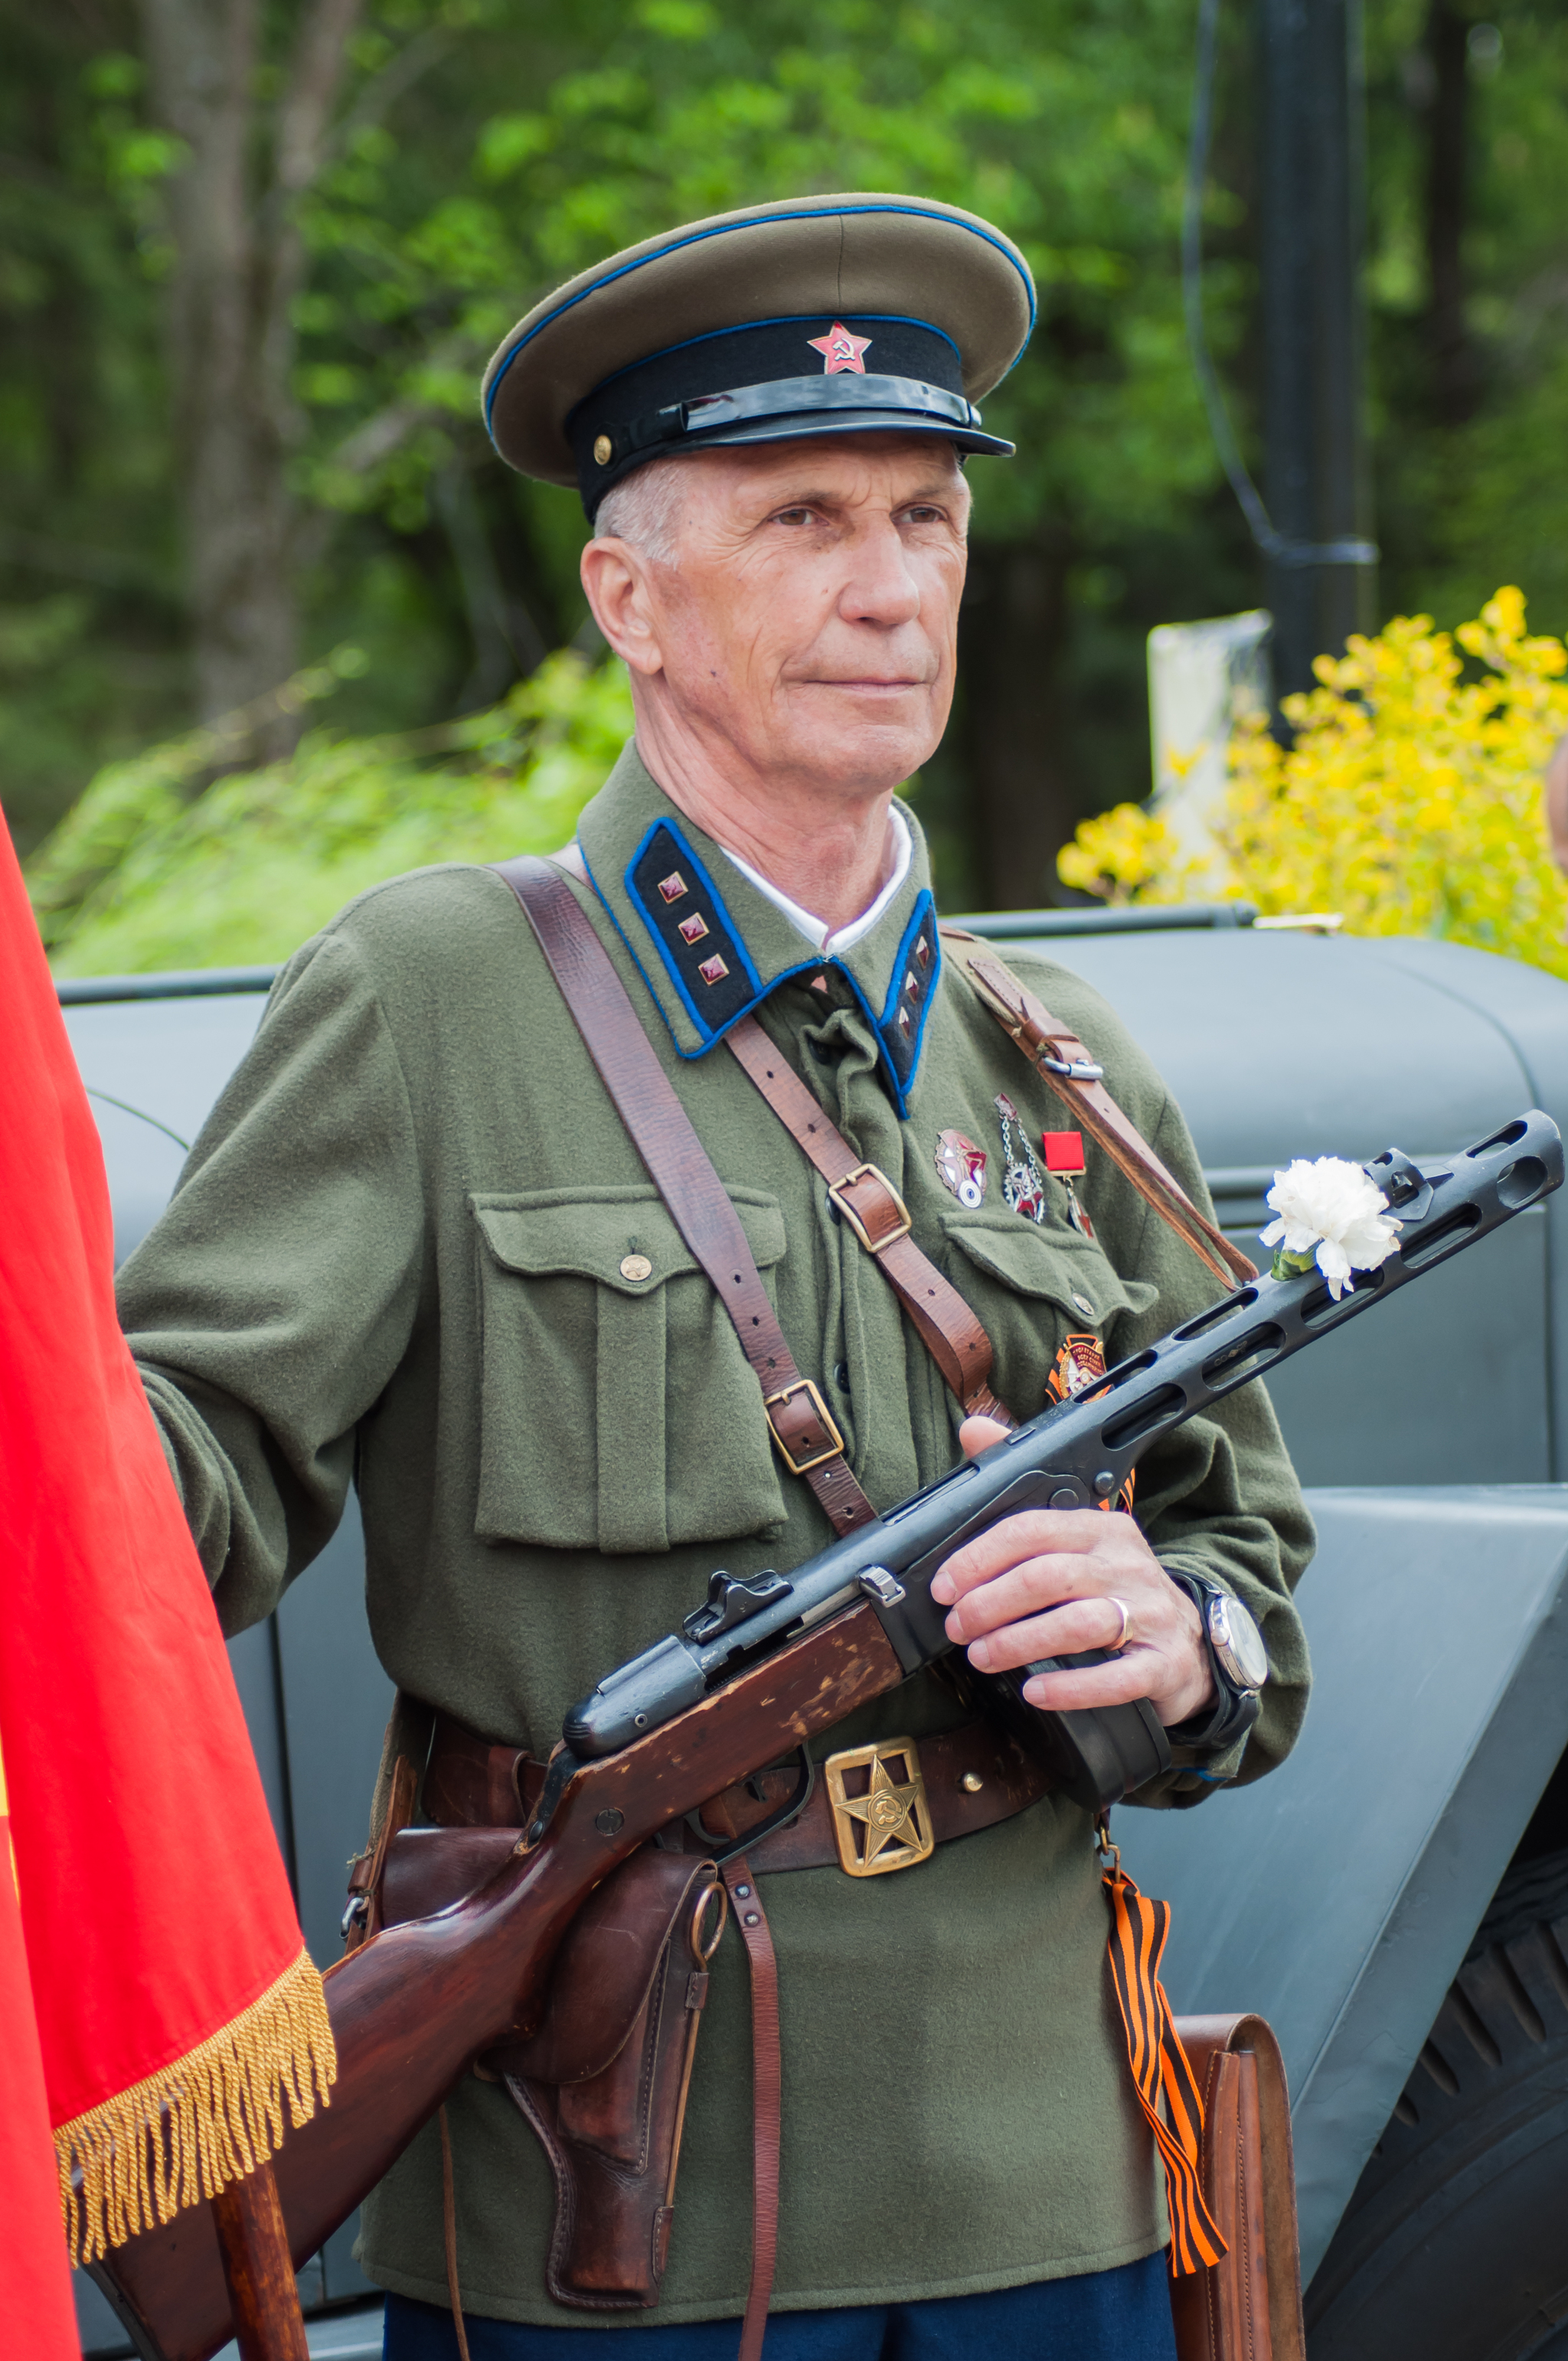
(608, 444)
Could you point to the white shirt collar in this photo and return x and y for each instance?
(814, 929)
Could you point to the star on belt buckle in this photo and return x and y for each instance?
(881, 1818)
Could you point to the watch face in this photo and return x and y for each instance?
(1237, 1643)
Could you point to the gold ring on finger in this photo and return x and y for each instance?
(1116, 1646)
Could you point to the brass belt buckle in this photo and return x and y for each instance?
(885, 1822)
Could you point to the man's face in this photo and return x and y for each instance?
(809, 620)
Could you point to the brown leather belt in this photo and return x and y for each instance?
(872, 1809)
(973, 1776)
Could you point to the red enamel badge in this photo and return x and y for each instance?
(839, 350)
(961, 1166)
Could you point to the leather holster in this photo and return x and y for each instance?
(1247, 2306)
(603, 2079)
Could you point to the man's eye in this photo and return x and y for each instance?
(923, 516)
(794, 516)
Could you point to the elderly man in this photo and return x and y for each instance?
(417, 1248)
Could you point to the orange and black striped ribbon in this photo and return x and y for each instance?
(1161, 2074)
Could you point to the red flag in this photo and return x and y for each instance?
(165, 1962)
(35, 2285)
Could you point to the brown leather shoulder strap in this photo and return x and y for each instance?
(950, 1331)
(809, 1442)
(1059, 1056)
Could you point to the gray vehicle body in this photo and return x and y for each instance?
(1338, 1897)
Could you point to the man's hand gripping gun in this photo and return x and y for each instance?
(1077, 1454)
(760, 1669)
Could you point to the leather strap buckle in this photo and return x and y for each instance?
(868, 1220)
(802, 1425)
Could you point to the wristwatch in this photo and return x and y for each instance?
(1238, 1660)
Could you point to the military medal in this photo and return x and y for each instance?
(1064, 1156)
(1023, 1183)
(1080, 1360)
(961, 1166)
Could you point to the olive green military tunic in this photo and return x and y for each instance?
(404, 1254)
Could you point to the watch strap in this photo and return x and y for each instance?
(1218, 1727)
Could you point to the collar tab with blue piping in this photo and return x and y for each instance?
(711, 948)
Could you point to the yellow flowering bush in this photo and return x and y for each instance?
(1127, 855)
(1410, 800)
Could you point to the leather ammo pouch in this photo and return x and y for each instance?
(603, 2079)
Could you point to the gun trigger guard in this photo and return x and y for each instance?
(786, 1812)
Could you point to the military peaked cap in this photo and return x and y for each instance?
(817, 315)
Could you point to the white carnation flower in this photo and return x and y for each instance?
(1334, 1213)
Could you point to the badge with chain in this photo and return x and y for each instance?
(1023, 1183)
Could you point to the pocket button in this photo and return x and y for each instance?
(636, 1266)
(1081, 1302)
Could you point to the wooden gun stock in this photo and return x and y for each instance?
(414, 2007)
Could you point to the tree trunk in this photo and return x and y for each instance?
(1448, 162)
(1012, 631)
(238, 265)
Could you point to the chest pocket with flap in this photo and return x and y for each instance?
(1032, 1287)
(618, 1410)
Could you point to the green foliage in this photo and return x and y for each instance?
(142, 877)
(1064, 123)
(1474, 491)
(488, 148)
(90, 619)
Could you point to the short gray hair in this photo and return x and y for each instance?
(644, 508)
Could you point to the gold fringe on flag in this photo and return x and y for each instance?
(184, 2134)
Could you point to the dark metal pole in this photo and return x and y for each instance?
(1316, 477)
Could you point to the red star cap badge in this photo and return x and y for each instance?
(839, 350)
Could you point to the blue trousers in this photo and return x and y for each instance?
(1120, 2315)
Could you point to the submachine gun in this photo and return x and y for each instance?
(755, 1673)
(1077, 1454)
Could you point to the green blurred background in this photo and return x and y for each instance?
(252, 258)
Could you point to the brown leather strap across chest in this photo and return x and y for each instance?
(808, 1441)
(867, 1200)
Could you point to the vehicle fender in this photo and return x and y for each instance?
(1338, 1896)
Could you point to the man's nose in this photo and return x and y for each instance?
(881, 588)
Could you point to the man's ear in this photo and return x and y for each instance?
(617, 585)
